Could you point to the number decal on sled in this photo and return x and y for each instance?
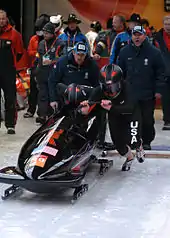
(40, 162)
(37, 161)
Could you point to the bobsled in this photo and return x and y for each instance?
(57, 156)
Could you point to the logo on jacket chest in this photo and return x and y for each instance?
(86, 76)
(145, 61)
(53, 50)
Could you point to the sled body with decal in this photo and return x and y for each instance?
(56, 156)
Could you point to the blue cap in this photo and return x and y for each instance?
(81, 47)
(139, 29)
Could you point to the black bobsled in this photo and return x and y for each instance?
(56, 156)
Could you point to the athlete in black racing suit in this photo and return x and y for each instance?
(122, 115)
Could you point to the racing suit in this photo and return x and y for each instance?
(123, 118)
(102, 47)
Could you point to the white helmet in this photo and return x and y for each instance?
(57, 21)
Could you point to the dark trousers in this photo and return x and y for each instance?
(33, 96)
(102, 120)
(44, 108)
(165, 99)
(147, 120)
(118, 125)
(134, 128)
(8, 85)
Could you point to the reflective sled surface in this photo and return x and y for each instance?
(135, 204)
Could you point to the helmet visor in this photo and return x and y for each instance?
(112, 89)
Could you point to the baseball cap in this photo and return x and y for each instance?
(81, 47)
(139, 29)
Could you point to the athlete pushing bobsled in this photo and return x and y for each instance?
(122, 114)
(59, 153)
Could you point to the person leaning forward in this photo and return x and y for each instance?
(78, 67)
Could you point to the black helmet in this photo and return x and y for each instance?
(96, 25)
(41, 21)
(74, 94)
(111, 82)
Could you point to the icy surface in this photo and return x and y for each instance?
(133, 204)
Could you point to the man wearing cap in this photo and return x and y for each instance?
(78, 67)
(123, 38)
(143, 69)
(72, 33)
(49, 50)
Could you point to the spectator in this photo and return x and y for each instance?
(58, 23)
(105, 39)
(11, 50)
(72, 33)
(95, 28)
(143, 69)
(32, 51)
(149, 33)
(123, 38)
(76, 68)
(163, 38)
(49, 50)
(109, 25)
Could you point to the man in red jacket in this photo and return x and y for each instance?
(11, 50)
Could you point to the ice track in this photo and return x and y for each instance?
(134, 204)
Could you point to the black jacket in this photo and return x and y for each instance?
(121, 104)
(67, 71)
(52, 49)
(143, 68)
(103, 42)
(164, 51)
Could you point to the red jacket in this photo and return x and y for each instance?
(9, 33)
(32, 49)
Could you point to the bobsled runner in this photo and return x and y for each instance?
(57, 156)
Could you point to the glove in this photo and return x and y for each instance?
(106, 104)
(54, 106)
(85, 108)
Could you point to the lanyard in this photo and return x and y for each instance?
(74, 39)
(46, 49)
